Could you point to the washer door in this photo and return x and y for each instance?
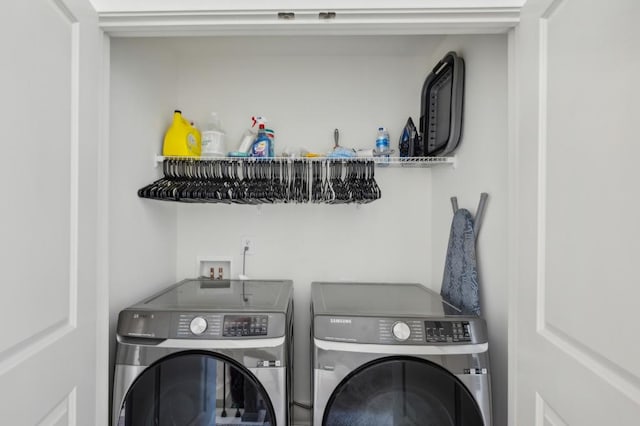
(196, 389)
(401, 391)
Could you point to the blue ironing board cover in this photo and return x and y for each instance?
(460, 280)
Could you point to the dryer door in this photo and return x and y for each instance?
(401, 391)
(196, 389)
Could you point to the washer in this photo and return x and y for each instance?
(387, 354)
(205, 352)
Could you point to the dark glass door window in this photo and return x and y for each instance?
(401, 392)
(196, 389)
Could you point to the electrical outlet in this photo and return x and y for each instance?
(249, 243)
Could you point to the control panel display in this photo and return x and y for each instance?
(245, 325)
(447, 331)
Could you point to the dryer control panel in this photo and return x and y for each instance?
(447, 331)
(400, 331)
(419, 331)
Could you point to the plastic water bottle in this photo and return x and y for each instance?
(382, 145)
(213, 138)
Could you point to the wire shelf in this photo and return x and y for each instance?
(415, 162)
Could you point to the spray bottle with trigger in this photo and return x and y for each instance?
(262, 146)
(250, 134)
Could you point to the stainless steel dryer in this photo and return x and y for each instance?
(387, 354)
(206, 352)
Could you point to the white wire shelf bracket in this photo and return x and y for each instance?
(416, 162)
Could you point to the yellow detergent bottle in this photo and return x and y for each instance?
(182, 138)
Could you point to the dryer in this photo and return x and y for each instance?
(206, 352)
(388, 354)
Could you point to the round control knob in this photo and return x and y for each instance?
(198, 325)
(401, 331)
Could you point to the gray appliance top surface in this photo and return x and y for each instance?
(222, 296)
(376, 299)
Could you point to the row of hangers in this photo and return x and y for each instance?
(265, 181)
(337, 182)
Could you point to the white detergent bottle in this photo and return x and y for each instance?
(213, 138)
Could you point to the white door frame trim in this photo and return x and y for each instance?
(103, 372)
(512, 232)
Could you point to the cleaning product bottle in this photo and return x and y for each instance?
(181, 139)
(213, 138)
(271, 135)
(249, 135)
(262, 145)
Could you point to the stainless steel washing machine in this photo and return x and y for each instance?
(206, 352)
(387, 354)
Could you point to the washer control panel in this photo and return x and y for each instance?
(245, 325)
(201, 325)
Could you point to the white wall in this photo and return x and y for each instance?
(142, 233)
(482, 166)
(305, 86)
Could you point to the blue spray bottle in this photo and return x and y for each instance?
(261, 147)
